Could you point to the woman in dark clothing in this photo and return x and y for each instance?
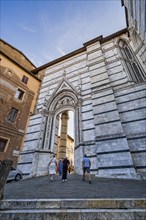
(65, 168)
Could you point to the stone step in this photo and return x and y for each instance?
(73, 209)
(12, 204)
(74, 214)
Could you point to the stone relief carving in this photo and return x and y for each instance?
(65, 101)
(59, 104)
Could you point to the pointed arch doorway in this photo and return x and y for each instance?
(64, 99)
(65, 140)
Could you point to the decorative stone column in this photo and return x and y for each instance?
(63, 135)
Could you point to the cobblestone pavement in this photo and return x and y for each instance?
(42, 188)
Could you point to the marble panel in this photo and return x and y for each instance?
(118, 76)
(42, 95)
(30, 145)
(36, 116)
(137, 144)
(110, 53)
(97, 59)
(42, 164)
(86, 97)
(107, 45)
(86, 86)
(85, 80)
(104, 99)
(34, 128)
(108, 129)
(52, 75)
(134, 127)
(98, 71)
(76, 66)
(31, 136)
(105, 107)
(78, 154)
(101, 63)
(100, 83)
(93, 46)
(28, 157)
(117, 173)
(88, 134)
(90, 150)
(114, 159)
(93, 163)
(86, 102)
(43, 89)
(36, 121)
(41, 101)
(86, 92)
(53, 86)
(113, 65)
(25, 168)
(102, 93)
(131, 105)
(116, 70)
(88, 124)
(106, 117)
(97, 78)
(110, 59)
(111, 145)
(87, 115)
(133, 115)
(130, 89)
(134, 95)
(139, 159)
(73, 78)
(87, 108)
(118, 84)
(95, 54)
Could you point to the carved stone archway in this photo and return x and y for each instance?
(64, 98)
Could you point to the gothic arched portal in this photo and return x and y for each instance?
(65, 98)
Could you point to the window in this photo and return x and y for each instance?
(3, 144)
(25, 79)
(134, 69)
(19, 94)
(12, 115)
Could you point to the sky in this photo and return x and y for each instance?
(45, 30)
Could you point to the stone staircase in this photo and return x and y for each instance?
(73, 209)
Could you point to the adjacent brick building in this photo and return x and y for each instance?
(19, 91)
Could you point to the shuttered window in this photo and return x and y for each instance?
(12, 115)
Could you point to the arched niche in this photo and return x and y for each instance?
(64, 100)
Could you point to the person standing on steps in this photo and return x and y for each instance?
(86, 164)
(52, 167)
(60, 166)
(65, 168)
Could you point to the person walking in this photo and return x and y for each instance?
(52, 165)
(86, 164)
(60, 166)
(65, 168)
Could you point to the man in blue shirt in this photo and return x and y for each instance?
(86, 164)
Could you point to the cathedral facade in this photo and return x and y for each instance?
(103, 83)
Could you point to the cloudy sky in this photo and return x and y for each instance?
(47, 29)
